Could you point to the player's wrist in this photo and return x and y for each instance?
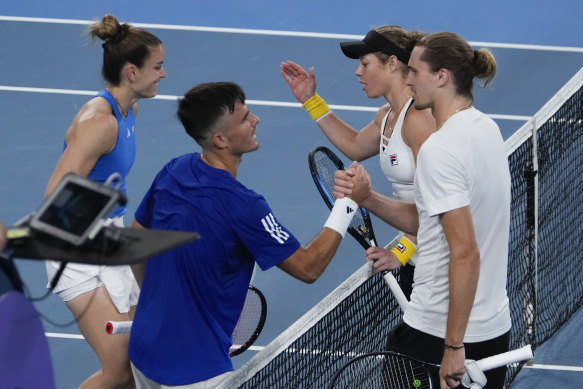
(453, 347)
(368, 199)
(341, 215)
(404, 250)
(316, 107)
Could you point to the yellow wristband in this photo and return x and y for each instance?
(404, 250)
(316, 106)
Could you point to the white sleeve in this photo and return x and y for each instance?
(442, 179)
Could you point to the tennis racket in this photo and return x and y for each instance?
(386, 369)
(246, 331)
(323, 164)
(250, 322)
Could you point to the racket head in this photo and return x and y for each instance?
(383, 369)
(323, 164)
(251, 321)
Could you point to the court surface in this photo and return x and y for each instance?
(49, 68)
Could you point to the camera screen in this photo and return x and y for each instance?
(74, 209)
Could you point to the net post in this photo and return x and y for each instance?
(535, 167)
(530, 175)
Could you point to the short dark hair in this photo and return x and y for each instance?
(205, 104)
(122, 43)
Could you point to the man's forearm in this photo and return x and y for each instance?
(464, 271)
(399, 214)
(463, 282)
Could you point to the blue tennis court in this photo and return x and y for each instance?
(49, 68)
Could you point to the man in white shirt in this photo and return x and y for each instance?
(459, 306)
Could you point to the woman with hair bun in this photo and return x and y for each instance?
(99, 142)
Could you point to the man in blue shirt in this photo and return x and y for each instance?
(192, 296)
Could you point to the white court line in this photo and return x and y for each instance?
(80, 337)
(259, 348)
(516, 46)
(249, 102)
(63, 336)
(554, 367)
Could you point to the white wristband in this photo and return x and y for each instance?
(341, 215)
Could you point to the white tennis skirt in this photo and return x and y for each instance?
(78, 278)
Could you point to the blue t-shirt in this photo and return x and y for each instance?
(192, 296)
(121, 158)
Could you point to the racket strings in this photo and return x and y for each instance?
(326, 168)
(383, 371)
(249, 319)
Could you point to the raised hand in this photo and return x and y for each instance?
(301, 83)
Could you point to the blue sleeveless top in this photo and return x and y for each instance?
(121, 158)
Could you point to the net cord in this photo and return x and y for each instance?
(545, 113)
(297, 329)
(290, 335)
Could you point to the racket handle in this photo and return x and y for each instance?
(118, 327)
(394, 285)
(396, 290)
(507, 358)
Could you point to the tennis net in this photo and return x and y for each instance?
(546, 163)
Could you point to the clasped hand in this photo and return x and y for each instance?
(354, 183)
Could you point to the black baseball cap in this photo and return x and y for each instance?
(373, 42)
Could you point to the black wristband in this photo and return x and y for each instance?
(445, 345)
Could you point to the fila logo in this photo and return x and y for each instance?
(274, 229)
(400, 247)
(393, 159)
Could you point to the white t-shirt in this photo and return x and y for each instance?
(462, 164)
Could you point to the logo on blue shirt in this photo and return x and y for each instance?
(274, 229)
